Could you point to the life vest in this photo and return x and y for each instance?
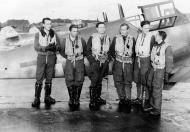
(97, 52)
(74, 50)
(123, 50)
(142, 47)
(45, 40)
(158, 56)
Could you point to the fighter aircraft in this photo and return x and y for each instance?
(20, 62)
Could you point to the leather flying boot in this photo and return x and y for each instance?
(36, 102)
(48, 99)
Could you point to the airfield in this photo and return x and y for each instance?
(17, 115)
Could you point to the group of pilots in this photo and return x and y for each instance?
(147, 61)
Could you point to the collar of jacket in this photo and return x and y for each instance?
(74, 39)
(124, 37)
(51, 32)
(156, 44)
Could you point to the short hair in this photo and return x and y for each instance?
(145, 23)
(72, 26)
(46, 18)
(162, 34)
(97, 24)
(124, 24)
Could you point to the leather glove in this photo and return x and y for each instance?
(91, 59)
(94, 66)
(109, 58)
(50, 47)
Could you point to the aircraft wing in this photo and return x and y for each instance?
(182, 75)
(181, 65)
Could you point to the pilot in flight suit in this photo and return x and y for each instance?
(46, 44)
(142, 63)
(122, 50)
(161, 64)
(73, 49)
(97, 54)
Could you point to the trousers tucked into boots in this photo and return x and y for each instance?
(71, 96)
(74, 94)
(93, 105)
(99, 100)
(78, 90)
(38, 88)
(48, 99)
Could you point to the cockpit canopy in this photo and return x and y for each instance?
(161, 15)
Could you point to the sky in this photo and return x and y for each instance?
(35, 10)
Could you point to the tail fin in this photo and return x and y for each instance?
(105, 17)
(97, 19)
(121, 13)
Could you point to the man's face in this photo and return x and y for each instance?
(74, 32)
(124, 30)
(101, 28)
(47, 24)
(146, 28)
(158, 38)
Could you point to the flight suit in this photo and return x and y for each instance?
(74, 52)
(46, 47)
(142, 63)
(161, 64)
(122, 50)
(97, 55)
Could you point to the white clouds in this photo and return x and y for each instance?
(35, 10)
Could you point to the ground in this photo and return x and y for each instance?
(16, 114)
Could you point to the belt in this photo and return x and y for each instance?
(156, 66)
(101, 57)
(142, 55)
(124, 59)
(75, 57)
(46, 53)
